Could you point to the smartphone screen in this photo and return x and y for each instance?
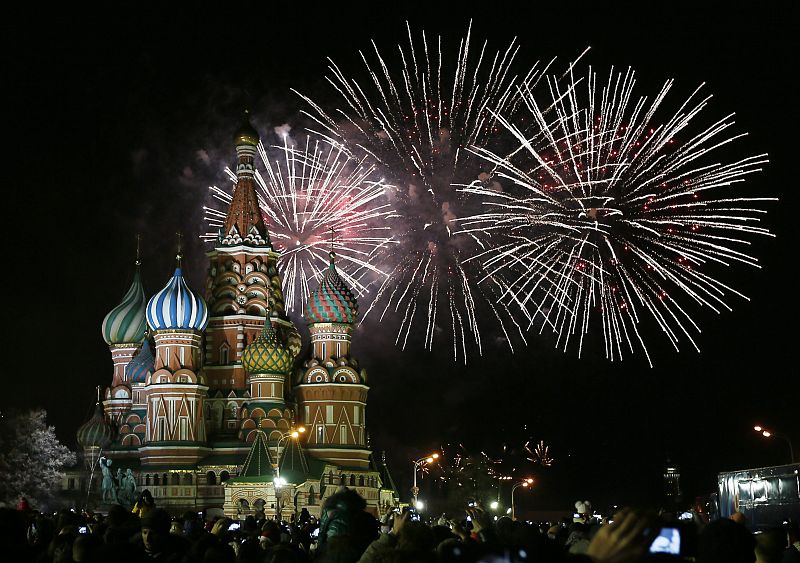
(667, 541)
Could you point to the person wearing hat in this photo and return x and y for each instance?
(157, 542)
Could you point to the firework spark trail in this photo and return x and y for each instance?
(416, 115)
(611, 212)
(309, 195)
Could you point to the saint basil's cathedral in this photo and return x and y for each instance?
(210, 404)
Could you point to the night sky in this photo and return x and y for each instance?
(117, 124)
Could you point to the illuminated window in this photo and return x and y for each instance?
(320, 434)
(329, 414)
(342, 435)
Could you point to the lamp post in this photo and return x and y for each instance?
(526, 483)
(421, 461)
(769, 434)
(280, 481)
(293, 433)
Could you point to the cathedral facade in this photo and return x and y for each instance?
(212, 402)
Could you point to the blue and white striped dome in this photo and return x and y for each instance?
(125, 324)
(176, 307)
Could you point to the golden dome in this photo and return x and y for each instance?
(246, 134)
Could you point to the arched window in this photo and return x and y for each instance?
(164, 480)
(352, 480)
(147, 480)
(361, 481)
(156, 479)
(211, 478)
(176, 479)
(312, 496)
(224, 476)
(187, 478)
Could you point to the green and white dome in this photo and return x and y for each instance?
(267, 354)
(126, 323)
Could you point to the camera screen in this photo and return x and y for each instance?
(667, 541)
(82, 530)
(234, 526)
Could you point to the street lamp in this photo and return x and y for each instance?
(768, 434)
(293, 433)
(421, 461)
(494, 504)
(526, 483)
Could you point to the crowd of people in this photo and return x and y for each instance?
(347, 533)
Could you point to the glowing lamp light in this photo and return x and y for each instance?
(494, 504)
(435, 456)
(301, 429)
(295, 434)
(420, 505)
(757, 428)
(766, 434)
(508, 511)
(529, 480)
(279, 481)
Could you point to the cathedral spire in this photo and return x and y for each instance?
(244, 223)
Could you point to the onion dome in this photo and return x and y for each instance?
(246, 134)
(332, 301)
(176, 307)
(141, 364)
(95, 432)
(126, 323)
(267, 354)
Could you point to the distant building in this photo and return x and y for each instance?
(210, 404)
(672, 484)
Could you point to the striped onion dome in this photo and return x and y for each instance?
(332, 301)
(95, 431)
(176, 308)
(141, 364)
(126, 323)
(267, 354)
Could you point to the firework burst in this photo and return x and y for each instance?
(314, 198)
(540, 453)
(616, 214)
(417, 119)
